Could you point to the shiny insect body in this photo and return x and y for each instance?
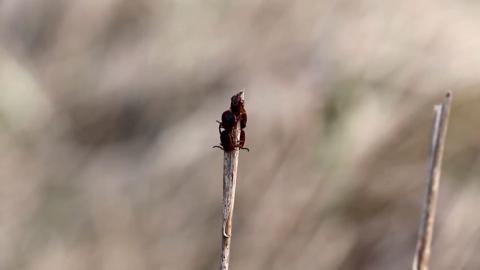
(227, 142)
(230, 119)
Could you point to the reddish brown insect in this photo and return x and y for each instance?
(243, 119)
(229, 121)
(237, 105)
(241, 142)
(227, 141)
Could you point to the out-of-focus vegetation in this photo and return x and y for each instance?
(107, 118)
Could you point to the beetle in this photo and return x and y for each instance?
(237, 106)
(241, 142)
(227, 143)
(243, 119)
(236, 103)
(229, 120)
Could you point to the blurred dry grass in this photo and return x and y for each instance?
(107, 116)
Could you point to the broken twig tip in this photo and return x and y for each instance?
(232, 139)
(241, 94)
(427, 220)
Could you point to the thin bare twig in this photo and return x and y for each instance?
(230, 165)
(425, 233)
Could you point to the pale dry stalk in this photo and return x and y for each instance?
(425, 233)
(230, 165)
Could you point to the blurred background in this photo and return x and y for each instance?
(107, 119)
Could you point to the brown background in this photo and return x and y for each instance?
(107, 118)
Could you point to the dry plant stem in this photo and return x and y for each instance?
(230, 165)
(425, 234)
